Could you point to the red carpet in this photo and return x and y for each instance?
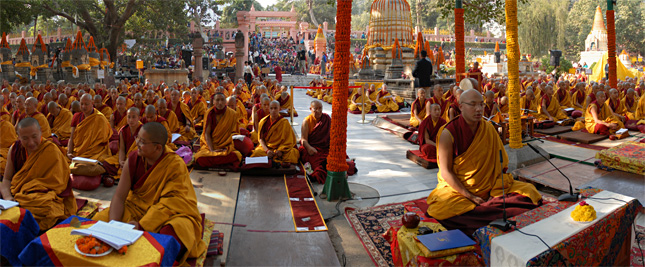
(306, 215)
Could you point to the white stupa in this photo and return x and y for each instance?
(596, 42)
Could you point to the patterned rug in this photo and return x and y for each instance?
(370, 224)
(635, 255)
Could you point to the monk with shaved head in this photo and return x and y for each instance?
(60, 120)
(31, 110)
(276, 138)
(127, 134)
(468, 194)
(19, 112)
(600, 119)
(156, 195)
(37, 176)
(184, 116)
(197, 106)
(98, 105)
(217, 149)
(90, 134)
(428, 130)
(150, 115)
(314, 142)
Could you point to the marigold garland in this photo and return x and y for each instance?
(513, 52)
(338, 133)
(611, 47)
(460, 45)
(91, 245)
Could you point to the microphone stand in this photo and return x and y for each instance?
(570, 197)
(502, 224)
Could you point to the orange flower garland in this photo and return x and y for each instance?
(611, 47)
(91, 245)
(460, 45)
(338, 142)
(513, 51)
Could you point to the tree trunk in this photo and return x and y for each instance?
(310, 4)
(35, 28)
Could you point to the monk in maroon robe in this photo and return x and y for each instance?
(314, 143)
(428, 130)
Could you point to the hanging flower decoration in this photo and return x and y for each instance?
(513, 52)
(460, 45)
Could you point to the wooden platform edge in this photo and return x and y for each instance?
(419, 161)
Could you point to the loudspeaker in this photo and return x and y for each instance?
(497, 57)
(186, 55)
(205, 63)
(555, 57)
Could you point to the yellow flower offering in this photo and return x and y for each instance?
(583, 212)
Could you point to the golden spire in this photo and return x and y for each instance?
(598, 21)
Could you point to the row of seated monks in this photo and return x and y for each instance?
(375, 100)
(44, 127)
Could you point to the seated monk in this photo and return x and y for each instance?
(528, 105)
(60, 120)
(258, 113)
(31, 110)
(4, 113)
(629, 102)
(549, 108)
(285, 103)
(578, 100)
(37, 176)
(277, 139)
(138, 103)
(197, 108)
(357, 102)
(469, 190)
(562, 94)
(428, 132)
(314, 142)
(75, 107)
(63, 101)
(118, 118)
(90, 134)
(98, 105)
(19, 112)
(184, 117)
(43, 103)
(127, 134)
(216, 142)
(150, 115)
(156, 195)
(599, 118)
(418, 112)
(9, 136)
(453, 109)
(639, 113)
(242, 121)
(490, 106)
(617, 107)
(151, 98)
(385, 102)
(437, 98)
(173, 123)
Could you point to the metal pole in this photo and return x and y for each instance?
(363, 121)
(292, 107)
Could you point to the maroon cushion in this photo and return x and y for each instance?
(87, 183)
(114, 147)
(576, 114)
(245, 146)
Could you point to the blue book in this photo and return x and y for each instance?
(445, 240)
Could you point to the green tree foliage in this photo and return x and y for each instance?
(229, 14)
(630, 34)
(542, 26)
(564, 67)
(579, 26)
(15, 13)
(477, 12)
(322, 10)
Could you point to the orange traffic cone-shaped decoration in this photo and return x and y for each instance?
(430, 52)
(496, 46)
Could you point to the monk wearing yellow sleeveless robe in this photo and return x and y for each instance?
(127, 134)
(105, 109)
(197, 108)
(418, 112)
(156, 195)
(184, 117)
(31, 109)
(91, 133)
(277, 139)
(216, 142)
(562, 94)
(357, 102)
(469, 190)
(549, 108)
(37, 177)
(384, 101)
(599, 119)
(9, 136)
(60, 120)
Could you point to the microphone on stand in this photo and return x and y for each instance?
(502, 224)
(570, 197)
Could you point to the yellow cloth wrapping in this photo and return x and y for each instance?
(639, 114)
(166, 197)
(279, 137)
(103, 63)
(65, 64)
(554, 109)
(410, 247)
(94, 62)
(84, 67)
(44, 124)
(8, 62)
(91, 137)
(604, 114)
(621, 71)
(9, 136)
(61, 126)
(221, 136)
(23, 65)
(478, 170)
(38, 183)
(34, 70)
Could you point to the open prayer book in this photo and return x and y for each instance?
(621, 131)
(175, 136)
(116, 234)
(7, 204)
(84, 160)
(569, 109)
(254, 160)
